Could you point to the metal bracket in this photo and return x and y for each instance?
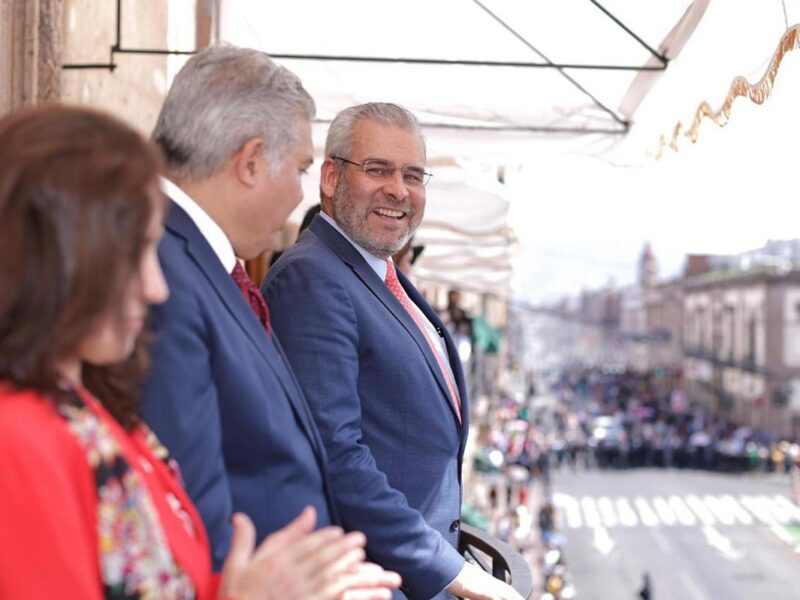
(117, 48)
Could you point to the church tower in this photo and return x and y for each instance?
(648, 269)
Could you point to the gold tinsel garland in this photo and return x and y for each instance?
(758, 93)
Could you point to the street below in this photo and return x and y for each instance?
(696, 535)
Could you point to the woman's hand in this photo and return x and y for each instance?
(298, 563)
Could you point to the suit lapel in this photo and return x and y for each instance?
(199, 250)
(345, 250)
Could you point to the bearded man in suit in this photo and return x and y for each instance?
(378, 368)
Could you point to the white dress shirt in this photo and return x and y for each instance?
(213, 233)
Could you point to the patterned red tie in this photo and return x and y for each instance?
(252, 295)
(393, 283)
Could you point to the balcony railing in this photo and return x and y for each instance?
(497, 558)
(745, 364)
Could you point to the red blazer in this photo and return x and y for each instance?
(88, 510)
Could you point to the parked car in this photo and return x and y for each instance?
(609, 440)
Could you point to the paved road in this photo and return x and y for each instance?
(699, 535)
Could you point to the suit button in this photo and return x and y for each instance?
(455, 525)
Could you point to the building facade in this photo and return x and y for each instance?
(742, 346)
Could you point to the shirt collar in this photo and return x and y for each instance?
(376, 263)
(213, 233)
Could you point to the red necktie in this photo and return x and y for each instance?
(252, 295)
(393, 283)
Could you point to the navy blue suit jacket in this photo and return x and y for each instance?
(394, 443)
(221, 397)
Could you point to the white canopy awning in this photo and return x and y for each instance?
(502, 107)
(588, 190)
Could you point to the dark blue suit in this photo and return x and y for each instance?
(221, 397)
(394, 443)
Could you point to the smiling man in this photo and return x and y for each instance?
(375, 362)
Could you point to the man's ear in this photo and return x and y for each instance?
(248, 162)
(329, 177)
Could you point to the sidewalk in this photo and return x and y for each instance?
(511, 522)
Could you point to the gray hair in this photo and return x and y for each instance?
(222, 97)
(340, 132)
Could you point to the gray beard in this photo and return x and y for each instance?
(344, 213)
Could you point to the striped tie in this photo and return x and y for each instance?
(393, 283)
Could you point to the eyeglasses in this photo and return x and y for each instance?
(382, 170)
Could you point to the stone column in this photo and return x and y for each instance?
(50, 29)
(30, 52)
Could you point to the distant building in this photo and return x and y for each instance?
(730, 323)
(651, 309)
(601, 307)
(648, 268)
(697, 264)
(664, 311)
(633, 315)
(782, 255)
(741, 343)
(652, 314)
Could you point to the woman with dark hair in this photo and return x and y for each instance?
(90, 502)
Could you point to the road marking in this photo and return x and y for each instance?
(661, 541)
(590, 514)
(755, 506)
(627, 516)
(738, 512)
(791, 508)
(664, 511)
(607, 511)
(603, 541)
(779, 513)
(571, 509)
(700, 510)
(688, 510)
(716, 540)
(691, 585)
(646, 514)
(721, 511)
(685, 516)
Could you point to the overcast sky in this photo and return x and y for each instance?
(583, 222)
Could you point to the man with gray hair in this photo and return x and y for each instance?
(236, 134)
(378, 368)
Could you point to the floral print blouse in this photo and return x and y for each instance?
(149, 541)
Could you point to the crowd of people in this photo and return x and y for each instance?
(591, 417)
(623, 418)
(167, 429)
(602, 418)
(512, 491)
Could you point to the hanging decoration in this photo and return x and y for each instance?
(740, 87)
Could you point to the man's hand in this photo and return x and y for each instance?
(476, 584)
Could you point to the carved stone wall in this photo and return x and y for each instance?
(135, 89)
(30, 46)
(38, 36)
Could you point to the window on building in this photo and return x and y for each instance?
(751, 340)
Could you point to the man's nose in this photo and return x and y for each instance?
(395, 186)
